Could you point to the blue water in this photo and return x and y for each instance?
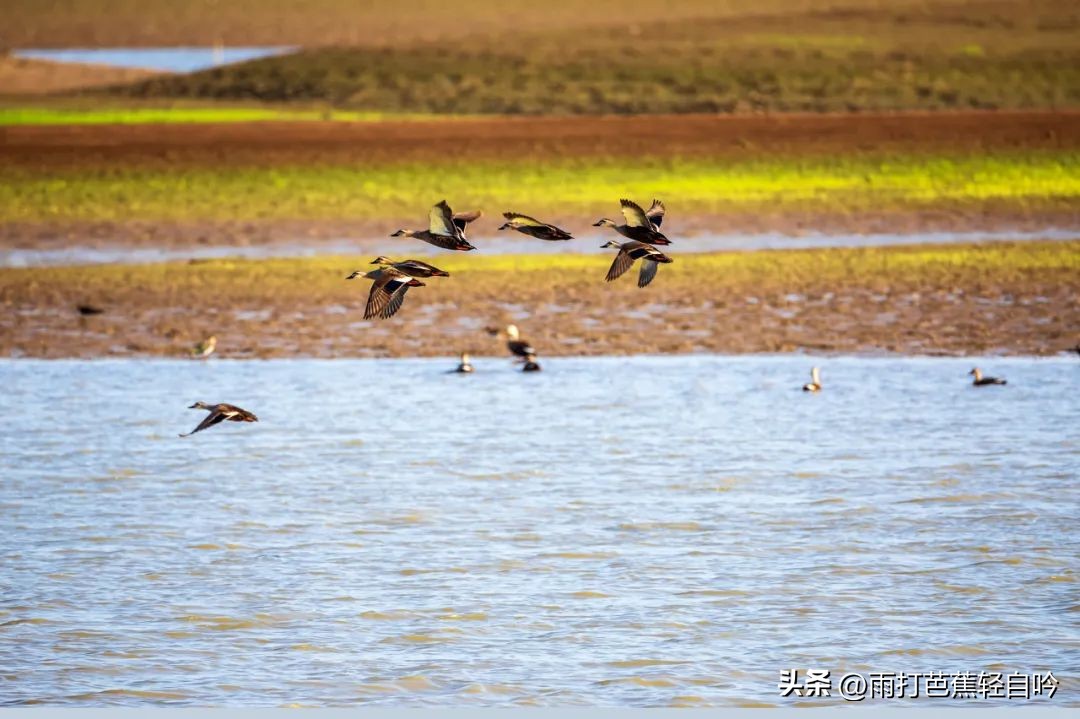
(644, 531)
(167, 59)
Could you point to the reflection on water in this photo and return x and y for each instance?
(499, 245)
(166, 59)
(616, 531)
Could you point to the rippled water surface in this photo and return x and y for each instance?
(614, 531)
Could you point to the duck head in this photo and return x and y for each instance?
(507, 226)
(403, 233)
(512, 332)
(464, 358)
(977, 372)
(200, 405)
(382, 259)
(611, 243)
(815, 376)
(604, 222)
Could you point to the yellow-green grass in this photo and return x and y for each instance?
(120, 115)
(843, 184)
(311, 277)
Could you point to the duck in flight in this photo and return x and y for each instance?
(533, 228)
(814, 385)
(412, 268)
(388, 289)
(204, 349)
(630, 252)
(445, 229)
(219, 413)
(638, 224)
(981, 381)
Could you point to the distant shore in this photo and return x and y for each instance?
(1003, 298)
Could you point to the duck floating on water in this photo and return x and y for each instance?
(220, 413)
(814, 385)
(465, 367)
(517, 346)
(388, 289)
(445, 229)
(533, 228)
(204, 349)
(981, 381)
(638, 224)
(531, 365)
(630, 252)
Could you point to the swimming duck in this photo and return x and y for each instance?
(639, 225)
(981, 381)
(219, 413)
(814, 385)
(465, 366)
(533, 227)
(631, 251)
(205, 348)
(445, 229)
(413, 268)
(531, 365)
(517, 346)
(387, 291)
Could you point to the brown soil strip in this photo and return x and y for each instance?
(268, 144)
(839, 301)
(22, 76)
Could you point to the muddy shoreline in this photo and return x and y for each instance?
(1006, 298)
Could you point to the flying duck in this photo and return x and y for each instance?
(413, 268)
(445, 229)
(981, 381)
(204, 349)
(531, 364)
(814, 385)
(387, 291)
(533, 228)
(631, 251)
(219, 413)
(517, 346)
(465, 367)
(639, 225)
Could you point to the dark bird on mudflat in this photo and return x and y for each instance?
(220, 413)
(88, 310)
(630, 252)
(533, 227)
(981, 381)
(638, 224)
(517, 346)
(445, 229)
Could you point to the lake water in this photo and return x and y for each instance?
(503, 243)
(165, 59)
(643, 531)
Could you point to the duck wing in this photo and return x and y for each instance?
(447, 242)
(622, 263)
(647, 273)
(394, 304)
(236, 414)
(463, 218)
(210, 420)
(656, 213)
(524, 219)
(634, 215)
(382, 292)
(441, 221)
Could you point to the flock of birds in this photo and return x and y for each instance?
(446, 229)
